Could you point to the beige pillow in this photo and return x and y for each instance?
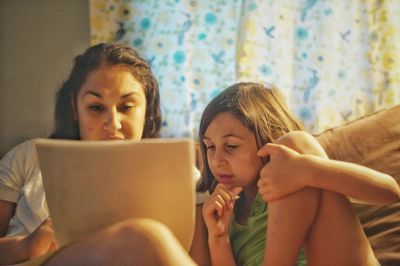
(373, 141)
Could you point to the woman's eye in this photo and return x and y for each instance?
(96, 108)
(125, 107)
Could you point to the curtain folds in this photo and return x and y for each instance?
(334, 60)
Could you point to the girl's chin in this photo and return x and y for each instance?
(229, 185)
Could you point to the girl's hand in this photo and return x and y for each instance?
(41, 241)
(283, 174)
(218, 210)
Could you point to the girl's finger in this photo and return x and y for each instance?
(222, 201)
(219, 208)
(225, 195)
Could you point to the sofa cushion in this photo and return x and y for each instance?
(373, 141)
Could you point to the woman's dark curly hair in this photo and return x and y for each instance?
(66, 126)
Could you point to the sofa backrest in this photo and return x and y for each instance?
(373, 141)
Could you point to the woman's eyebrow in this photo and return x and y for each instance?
(133, 93)
(96, 94)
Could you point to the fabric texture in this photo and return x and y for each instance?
(373, 141)
(21, 183)
(334, 60)
(248, 241)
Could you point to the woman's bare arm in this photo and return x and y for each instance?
(16, 249)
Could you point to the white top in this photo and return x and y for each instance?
(21, 183)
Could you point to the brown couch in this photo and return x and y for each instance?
(373, 141)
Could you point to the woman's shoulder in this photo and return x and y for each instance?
(26, 148)
(21, 158)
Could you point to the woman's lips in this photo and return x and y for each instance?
(114, 137)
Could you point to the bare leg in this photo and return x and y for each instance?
(336, 236)
(289, 220)
(332, 232)
(131, 242)
(325, 221)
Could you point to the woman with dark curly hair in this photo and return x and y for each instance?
(110, 94)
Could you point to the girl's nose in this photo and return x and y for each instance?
(218, 159)
(112, 121)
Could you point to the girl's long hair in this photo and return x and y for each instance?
(261, 109)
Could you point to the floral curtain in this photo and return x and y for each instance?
(334, 60)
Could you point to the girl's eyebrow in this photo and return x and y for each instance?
(205, 138)
(225, 136)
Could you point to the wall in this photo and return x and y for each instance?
(38, 40)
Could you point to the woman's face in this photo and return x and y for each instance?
(111, 104)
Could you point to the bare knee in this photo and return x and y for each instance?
(130, 242)
(151, 242)
(142, 240)
(302, 142)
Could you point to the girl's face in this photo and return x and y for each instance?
(111, 104)
(232, 152)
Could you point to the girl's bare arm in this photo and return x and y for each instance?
(199, 250)
(294, 168)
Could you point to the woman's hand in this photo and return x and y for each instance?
(218, 210)
(283, 174)
(41, 241)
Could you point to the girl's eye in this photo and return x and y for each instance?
(231, 147)
(209, 147)
(96, 108)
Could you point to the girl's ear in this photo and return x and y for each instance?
(74, 108)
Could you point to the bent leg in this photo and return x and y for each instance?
(289, 220)
(131, 242)
(336, 236)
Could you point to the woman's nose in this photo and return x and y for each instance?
(112, 121)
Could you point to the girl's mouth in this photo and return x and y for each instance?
(225, 179)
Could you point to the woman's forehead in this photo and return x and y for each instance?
(116, 79)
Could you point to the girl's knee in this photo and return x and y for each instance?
(302, 142)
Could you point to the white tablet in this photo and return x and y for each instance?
(92, 184)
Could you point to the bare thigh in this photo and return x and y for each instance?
(131, 242)
(336, 236)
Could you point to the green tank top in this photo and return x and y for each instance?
(248, 241)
